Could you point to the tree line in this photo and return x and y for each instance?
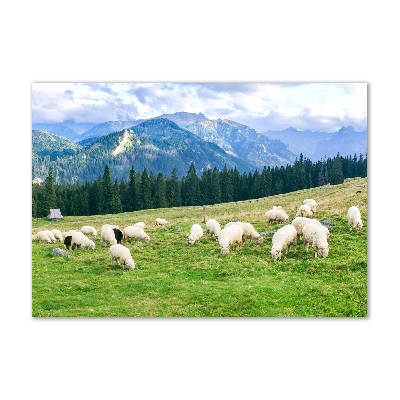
(145, 190)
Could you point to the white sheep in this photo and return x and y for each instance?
(277, 207)
(161, 222)
(282, 239)
(316, 236)
(213, 227)
(304, 211)
(248, 231)
(140, 224)
(57, 234)
(196, 233)
(69, 233)
(276, 214)
(312, 204)
(354, 218)
(229, 235)
(109, 226)
(121, 253)
(108, 236)
(79, 240)
(135, 232)
(300, 222)
(89, 230)
(50, 234)
(43, 237)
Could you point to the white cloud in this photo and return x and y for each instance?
(302, 105)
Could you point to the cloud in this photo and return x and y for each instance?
(316, 106)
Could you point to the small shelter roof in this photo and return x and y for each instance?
(55, 213)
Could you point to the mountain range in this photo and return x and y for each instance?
(174, 141)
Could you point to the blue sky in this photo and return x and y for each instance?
(263, 106)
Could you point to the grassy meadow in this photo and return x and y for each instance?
(172, 279)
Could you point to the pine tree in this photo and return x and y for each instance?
(116, 203)
(146, 201)
(106, 192)
(160, 192)
(336, 173)
(191, 187)
(50, 199)
(131, 193)
(226, 186)
(174, 190)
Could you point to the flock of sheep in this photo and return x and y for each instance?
(303, 227)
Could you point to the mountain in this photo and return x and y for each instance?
(316, 145)
(243, 142)
(184, 119)
(159, 145)
(104, 129)
(45, 144)
(59, 129)
(346, 141)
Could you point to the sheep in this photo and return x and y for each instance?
(300, 222)
(89, 230)
(50, 234)
(108, 236)
(276, 215)
(229, 235)
(69, 233)
(354, 218)
(161, 222)
(67, 241)
(79, 240)
(248, 231)
(213, 227)
(196, 233)
(277, 207)
(109, 226)
(43, 237)
(304, 211)
(57, 234)
(118, 234)
(120, 252)
(140, 224)
(316, 236)
(282, 239)
(135, 232)
(312, 204)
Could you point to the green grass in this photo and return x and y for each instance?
(172, 279)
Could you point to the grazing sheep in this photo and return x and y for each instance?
(161, 222)
(89, 230)
(118, 234)
(50, 234)
(121, 253)
(79, 240)
(316, 236)
(140, 224)
(196, 233)
(312, 204)
(300, 222)
(108, 236)
(135, 232)
(57, 234)
(43, 237)
(304, 211)
(248, 231)
(213, 227)
(229, 235)
(67, 241)
(354, 218)
(69, 233)
(282, 239)
(276, 214)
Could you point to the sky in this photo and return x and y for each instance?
(325, 106)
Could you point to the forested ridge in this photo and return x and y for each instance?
(144, 190)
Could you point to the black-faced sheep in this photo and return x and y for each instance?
(67, 241)
(118, 235)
